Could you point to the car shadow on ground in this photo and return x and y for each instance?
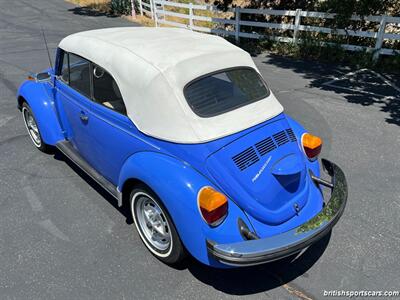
(98, 188)
(261, 278)
(90, 12)
(363, 86)
(235, 281)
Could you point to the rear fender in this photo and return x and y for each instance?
(177, 185)
(39, 96)
(299, 130)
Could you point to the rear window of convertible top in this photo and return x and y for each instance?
(225, 90)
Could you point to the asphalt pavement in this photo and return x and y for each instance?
(62, 236)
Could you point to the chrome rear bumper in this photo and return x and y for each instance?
(258, 251)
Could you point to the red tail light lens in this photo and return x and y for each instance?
(213, 205)
(312, 145)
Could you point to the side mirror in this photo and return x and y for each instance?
(40, 77)
(43, 76)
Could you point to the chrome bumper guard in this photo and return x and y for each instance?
(258, 251)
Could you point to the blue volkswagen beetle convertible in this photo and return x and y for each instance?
(181, 128)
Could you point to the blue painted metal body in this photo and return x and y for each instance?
(40, 98)
(264, 195)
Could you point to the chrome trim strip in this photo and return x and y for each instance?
(264, 250)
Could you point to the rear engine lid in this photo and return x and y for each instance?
(264, 172)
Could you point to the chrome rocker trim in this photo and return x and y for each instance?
(259, 251)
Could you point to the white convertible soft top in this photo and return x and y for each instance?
(151, 67)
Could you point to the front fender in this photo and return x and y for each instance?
(39, 96)
(177, 185)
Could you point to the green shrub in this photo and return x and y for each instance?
(121, 7)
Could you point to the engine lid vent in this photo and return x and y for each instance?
(245, 158)
(252, 154)
(281, 138)
(265, 146)
(291, 135)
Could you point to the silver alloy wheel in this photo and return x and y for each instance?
(152, 222)
(31, 126)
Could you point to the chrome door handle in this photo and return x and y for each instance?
(83, 117)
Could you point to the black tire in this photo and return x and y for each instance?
(36, 141)
(175, 253)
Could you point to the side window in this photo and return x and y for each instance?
(79, 74)
(106, 91)
(65, 69)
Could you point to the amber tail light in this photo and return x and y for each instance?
(213, 206)
(312, 145)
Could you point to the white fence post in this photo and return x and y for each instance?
(151, 9)
(140, 7)
(296, 25)
(155, 16)
(379, 38)
(191, 16)
(133, 12)
(237, 24)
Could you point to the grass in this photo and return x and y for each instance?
(104, 6)
(143, 20)
(100, 5)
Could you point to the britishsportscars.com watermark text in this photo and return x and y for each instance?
(360, 293)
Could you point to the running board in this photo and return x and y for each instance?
(69, 151)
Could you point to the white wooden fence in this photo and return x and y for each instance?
(146, 7)
(158, 10)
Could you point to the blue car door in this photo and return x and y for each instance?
(113, 135)
(73, 93)
(93, 115)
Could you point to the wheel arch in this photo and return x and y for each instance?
(20, 101)
(39, 97)
(176, 184)
(126, 189)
